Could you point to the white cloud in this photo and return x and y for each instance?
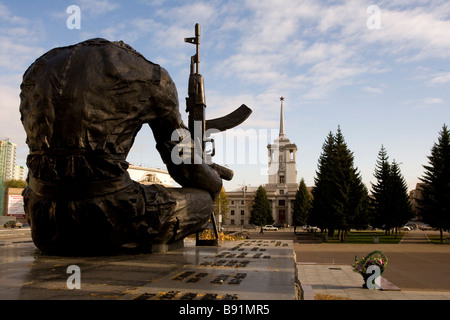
(427, 103)
(321, 51)
(415, 33)
(19, 47)
(16, 56)
(97, 7)
(331, 43)
(10, 125)
(373, 90)
(275, 40)
(434, 101)
(5, 14)
(439, 79)
(19, 41)
(187, 14)
(168, 36)
(152, 2)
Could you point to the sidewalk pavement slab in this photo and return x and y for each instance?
(243, 270)
(337, 282)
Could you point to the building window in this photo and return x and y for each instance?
(281, 191)
(281, 203)
(232, 201)
(232, 212)
(242, 201)
(232, 222)
(242, 212)
(292, 155)
(242, 222)
(282, 180)
(151, 178)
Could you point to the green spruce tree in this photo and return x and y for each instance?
(302, 204)
(340, 199)
(381, 217)
(261, 213)
(344, 178)
(351, 201)
(392, 207)
(323, 191)
(359, 204)
(400, 203)
(435, 200)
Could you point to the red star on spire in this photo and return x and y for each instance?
(281, 98)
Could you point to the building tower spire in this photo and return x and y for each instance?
(282, 134)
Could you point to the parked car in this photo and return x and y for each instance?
(13, 224)
(425, 227)
(250, 226)
(406, 228)
(311, 228)
(270, 228)
(279, 225)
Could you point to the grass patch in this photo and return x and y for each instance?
(365, 237)
(436, 238)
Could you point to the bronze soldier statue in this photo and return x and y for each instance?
(81, 107)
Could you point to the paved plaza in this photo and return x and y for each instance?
(417, 270)
(236, 270)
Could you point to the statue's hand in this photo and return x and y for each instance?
(223, 172)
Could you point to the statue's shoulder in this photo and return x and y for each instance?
(115, 45)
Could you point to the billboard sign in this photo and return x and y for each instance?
(15, 206)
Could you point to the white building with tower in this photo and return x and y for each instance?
(283, 184)
(281, 187)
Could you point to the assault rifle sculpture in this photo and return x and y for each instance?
(82, 107)
(199, 128)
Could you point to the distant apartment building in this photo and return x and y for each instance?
(8, 160)
(20, 173)
(9, 170)
(415, 196)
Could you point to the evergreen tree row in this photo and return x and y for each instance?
(340, 199)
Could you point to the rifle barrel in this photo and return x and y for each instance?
(197, 42)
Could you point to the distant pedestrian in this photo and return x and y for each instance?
(261, 231)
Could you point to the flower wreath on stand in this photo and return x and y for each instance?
(376, 257)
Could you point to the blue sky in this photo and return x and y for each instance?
(383, 78)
